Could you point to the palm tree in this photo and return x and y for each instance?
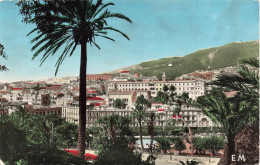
(69, 23)
(247, 79)
(140, 114)
(2, 54)
(246, 83)
(232, 113)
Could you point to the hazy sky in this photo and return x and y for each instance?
(160, 28)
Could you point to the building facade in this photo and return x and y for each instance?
(195, 88)
(99, 76)
(189, 116)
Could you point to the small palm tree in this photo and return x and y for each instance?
(69, 23)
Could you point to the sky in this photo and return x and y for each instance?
(160, 28)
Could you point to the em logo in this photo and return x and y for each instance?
(238, 158)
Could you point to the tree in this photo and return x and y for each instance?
(246, 83)
(231, 113)
(246, 80)
(119, 103)
(141, 104)
(179, 145)
(2, 54)
(165, 88)
(69, 23)
(113, 142)
(151, 132)
(161, 97)
(214, 144)
(26, 141)
(12, 143)
(200, 145)
(164, 143)
(172, 88)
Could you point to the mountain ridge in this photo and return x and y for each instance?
(202, 59)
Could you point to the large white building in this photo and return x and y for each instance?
(195, 88)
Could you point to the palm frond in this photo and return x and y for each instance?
(116, 30)
(253, 62)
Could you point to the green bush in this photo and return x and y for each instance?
(212, 144)
(13, 143)
(118, 155)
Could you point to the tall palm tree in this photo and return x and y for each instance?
(69, 23)
(140, 113)
(246, 82)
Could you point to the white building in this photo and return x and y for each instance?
(195, 88)
(191, 116)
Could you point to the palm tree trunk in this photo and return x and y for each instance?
(230, 150)
(141, 134)
(82, 100)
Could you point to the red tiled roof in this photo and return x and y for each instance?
(94, 98)
(161, 110)
(91, 91)
(124, 72)
(55, 85)
(17, 88)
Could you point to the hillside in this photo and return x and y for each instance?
(205, 59)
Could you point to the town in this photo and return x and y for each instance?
(94, 82)
(60, 96)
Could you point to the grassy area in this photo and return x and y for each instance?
(224, 56)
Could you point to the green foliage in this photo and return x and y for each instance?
(43, 154)
(136, 131)
(164, 143)
(214, 144)
(165, 88)
(232, 113)
(59, 24)
(143, 102)
(12, 143)
(115, 130)
(172, 88)
(3, 55)
(177, 110)
(114, 142)
(118, 103)
(179, 145)
(161, 97)
(200, 145)
(66, 134)
(117, 155)
(224, 56)
(25, 139)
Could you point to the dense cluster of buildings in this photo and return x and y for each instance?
(60, 96)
